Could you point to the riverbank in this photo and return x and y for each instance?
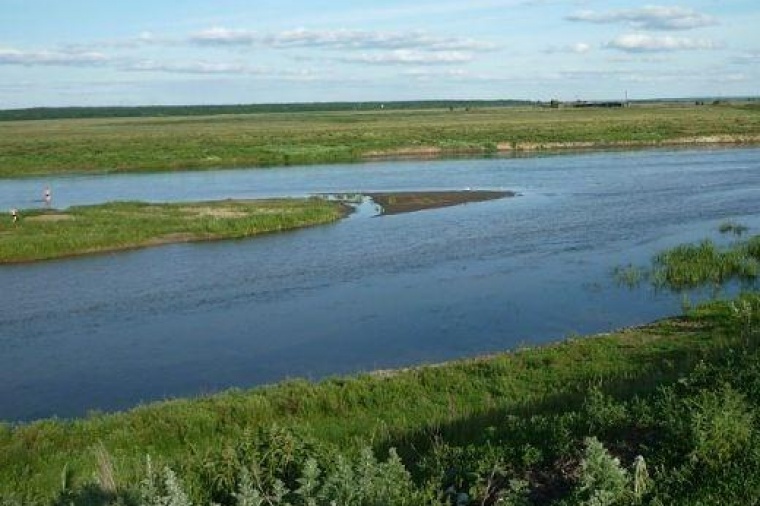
(43, 234)
(516, 416)
(107, 145)
(507, 148)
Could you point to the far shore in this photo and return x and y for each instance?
(427, 152)
(164, 144)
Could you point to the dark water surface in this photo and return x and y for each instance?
(110, 331)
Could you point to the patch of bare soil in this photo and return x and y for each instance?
(213, 212)
(50, 217)
(170, 239)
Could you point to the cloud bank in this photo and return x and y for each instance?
(410, 57)
(641, 43)
(649, 18)
(337, 39)
(49, 58)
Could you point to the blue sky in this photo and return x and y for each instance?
(140, 52)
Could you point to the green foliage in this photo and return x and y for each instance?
(601, 411)
(603, 481)
(162, 489)
(721, 425)
(360, 481)
(629, 276)
(688, 265)
(730, 227)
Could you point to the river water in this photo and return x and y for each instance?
(111, 331)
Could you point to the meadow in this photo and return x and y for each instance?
(42, 234)
(104, 145)
(667, 413)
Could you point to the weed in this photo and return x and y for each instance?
(730, 227)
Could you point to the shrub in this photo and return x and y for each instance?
(721, 426)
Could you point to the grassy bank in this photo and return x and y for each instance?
(45, 234)
(520, 420)
(29, 148)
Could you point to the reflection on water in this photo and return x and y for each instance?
(110, 331)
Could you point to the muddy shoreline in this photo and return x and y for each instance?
(507, 148)
(408, 202)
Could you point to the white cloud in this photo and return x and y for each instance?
(410, 57)
(748, 58)
(48, 58)
(649, 18)
(577, 48)
(428, 73)
(338, 39)
(675, 76)
(639, 43)
(225, 36)
(592, 74)
(195, 67)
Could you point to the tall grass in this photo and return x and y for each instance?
(692, 265)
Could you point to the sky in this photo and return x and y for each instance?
(161, 52)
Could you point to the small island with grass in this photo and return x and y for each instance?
(42, 234)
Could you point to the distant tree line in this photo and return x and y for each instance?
(39, 113)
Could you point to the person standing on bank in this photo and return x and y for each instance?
(14, 215)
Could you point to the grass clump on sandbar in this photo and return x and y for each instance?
(44, 233)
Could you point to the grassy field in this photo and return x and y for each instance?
(44, 234)
(29, 148)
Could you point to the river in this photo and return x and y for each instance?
(108, 332)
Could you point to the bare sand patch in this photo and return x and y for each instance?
(50, 217)
(170, 239)
(214, 212)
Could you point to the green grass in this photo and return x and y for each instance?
(730, 227)
(46, 234)
(692, 265)
(33, 148)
